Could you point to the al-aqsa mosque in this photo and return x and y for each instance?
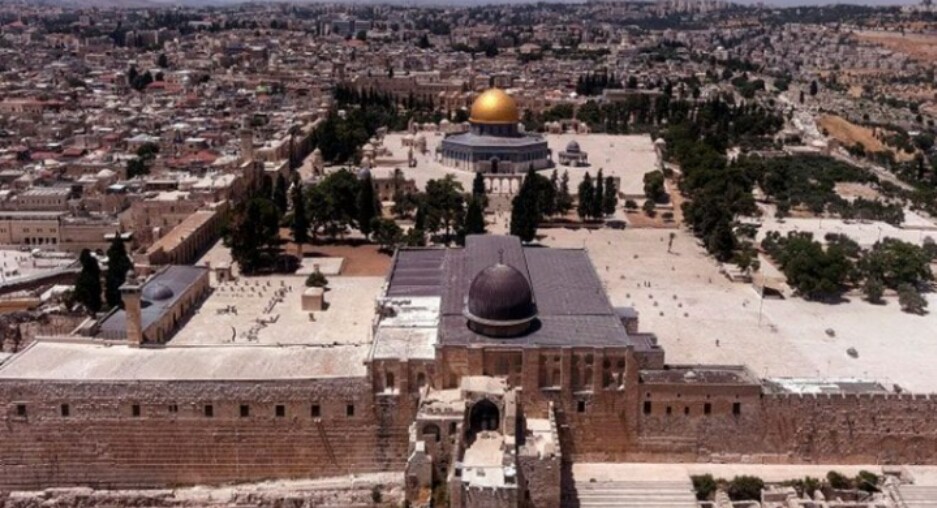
(495, 142)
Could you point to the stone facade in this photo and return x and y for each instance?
(158, 434)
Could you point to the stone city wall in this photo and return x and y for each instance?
(156, 434)
(787, 428)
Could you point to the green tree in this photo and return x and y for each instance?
(524, 211)
(478, 190)
(838, 480)
(300, 225)
(88, 284)
(610, 201)
(444, 206)
(654, 186)
(387, 233)
(874, 290)
(586, 197)
(745, 488)
(368, 207)
(895, 262)
(279, 193)
(255, 234)
(118, 264)
(704, 486)
(911, 300)
(564, 200)
(474, 218)
(598, 199)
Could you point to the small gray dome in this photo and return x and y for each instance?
(364, 174)
(157, 292)
(572, 147)
(500, 293)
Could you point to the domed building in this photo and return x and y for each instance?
(494, 142)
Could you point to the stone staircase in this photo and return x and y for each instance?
(637, 494)
(918, 496)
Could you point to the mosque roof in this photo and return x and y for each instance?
(571, 305)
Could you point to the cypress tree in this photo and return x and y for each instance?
(474, 218)
(300, 225)
(525, 209)
(564, 200)
(586, 197)
(118, 264)
(367, 206)
(610, 201)
(598, 200)
(279, 193)
(88, 284)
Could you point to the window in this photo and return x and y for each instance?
(707, 408)
(280, 410)
(21, 410)
(686, 410)
(669, 411)
(209, 410)
(173, 408)
(647, 407)
(135, 410)
(65, 410)
(316, 411)
(350, 410)
(736, 408)
(245, 410)
(581, 406)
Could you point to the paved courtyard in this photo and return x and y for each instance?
(624, 157)
(700, 316)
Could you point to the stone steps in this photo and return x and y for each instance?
(636, 494)
(919, 496)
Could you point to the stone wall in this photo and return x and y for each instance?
(157, 434)
(845, 429)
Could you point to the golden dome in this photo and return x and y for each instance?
(494, 106)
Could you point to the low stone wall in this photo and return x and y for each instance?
(158, 434)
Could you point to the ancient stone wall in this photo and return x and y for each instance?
(855, 428)
(154, 434)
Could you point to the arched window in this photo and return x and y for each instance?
(389, 384)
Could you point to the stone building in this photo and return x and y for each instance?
(484, 371)
(494, 143)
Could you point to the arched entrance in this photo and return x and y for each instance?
(484, 416)
(494, 164)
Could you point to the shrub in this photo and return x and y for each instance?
(317, 280)
(838, 481)
(745, 488)
(631, 204)
(649, 208)
(873, 289)
(911, 300)
(867, 481)
(704, 485)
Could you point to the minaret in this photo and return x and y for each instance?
(130, 293)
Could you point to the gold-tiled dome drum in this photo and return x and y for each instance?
(494, 107)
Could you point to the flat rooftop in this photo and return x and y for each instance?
(61, 361)
(819, 386)
(268, 311)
